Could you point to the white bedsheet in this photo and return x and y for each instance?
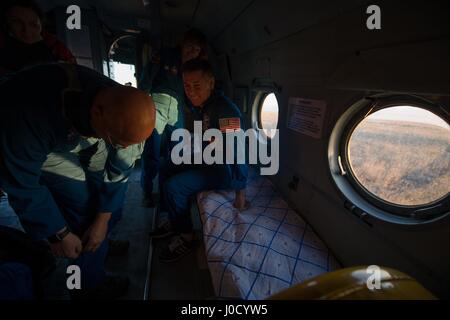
(263, 250)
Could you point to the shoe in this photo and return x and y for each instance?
(177, 248)
(148, 201)
(164, 230)
(113, 287)
(118, 247)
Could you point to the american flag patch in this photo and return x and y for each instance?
(229, 124)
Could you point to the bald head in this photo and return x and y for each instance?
(123, 115)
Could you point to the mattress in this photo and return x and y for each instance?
(258, 252)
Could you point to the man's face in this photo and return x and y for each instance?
(198, 86)
(190, 51)
(24, 25)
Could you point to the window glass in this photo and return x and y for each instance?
(401, 155)
(269, 115)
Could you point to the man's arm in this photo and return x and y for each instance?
(118, 167)
(96, 234)
(20, 172)
(231, 119)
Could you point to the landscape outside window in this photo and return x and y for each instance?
(269, 115)
(123, 73)
(402, 155)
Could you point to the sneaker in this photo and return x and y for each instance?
(164, 230)
(113, 287)
(118, 247)
(177, 248)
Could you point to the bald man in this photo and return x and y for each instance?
(69, 138)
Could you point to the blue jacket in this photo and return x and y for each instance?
(217, 108)
(42, 111)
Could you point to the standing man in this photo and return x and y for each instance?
(69, 138)
(23, 39)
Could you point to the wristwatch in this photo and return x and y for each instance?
(59, 236)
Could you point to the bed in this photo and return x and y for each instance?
(258, 252)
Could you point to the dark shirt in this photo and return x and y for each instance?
(164, 75)
(16, 55)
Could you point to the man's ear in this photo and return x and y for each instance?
(96, 114)
(212, 82)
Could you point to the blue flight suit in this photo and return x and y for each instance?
(162, 79)
(181, 182)
(55, 172)
(16, 281)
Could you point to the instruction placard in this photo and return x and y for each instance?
(306, 116)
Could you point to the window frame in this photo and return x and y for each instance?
(257, 110)
(358, 196)
(261, 88)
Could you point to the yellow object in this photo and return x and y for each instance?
(358, 283)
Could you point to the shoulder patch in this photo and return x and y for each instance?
(229, 124)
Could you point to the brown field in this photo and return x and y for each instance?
(407, 164)
(269, 120)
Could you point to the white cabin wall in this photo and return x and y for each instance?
(336, 59)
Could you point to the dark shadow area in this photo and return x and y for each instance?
(187, 278)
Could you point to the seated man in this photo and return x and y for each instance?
(69, 138)
(162, 79)
(183, 181)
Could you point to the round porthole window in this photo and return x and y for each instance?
(393, 158)
(268, 115)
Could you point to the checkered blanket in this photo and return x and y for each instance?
(258, 252)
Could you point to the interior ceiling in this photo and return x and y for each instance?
(128, 8)
(217, 17)
(209, 16)
(120, 7)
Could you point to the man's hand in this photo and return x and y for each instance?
(94, 236)
(239, 202)
(69, 247)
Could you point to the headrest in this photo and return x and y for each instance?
(358, 283)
